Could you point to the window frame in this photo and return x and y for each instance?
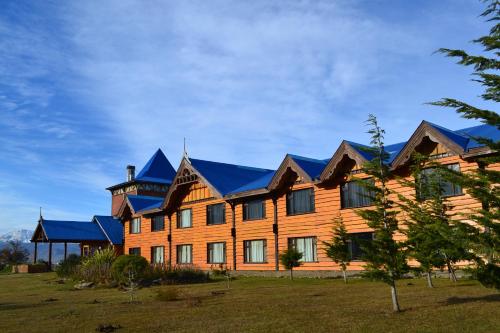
(179, 214)
(139, 221)
(177, 254)
(245, 205)
(153, 229)
(246, 245)
(138, 249)
(342, 196)
(350, 242)
(224, 253)
(312, 201)
(418, 191)
(152, 255)
(209, 212)
(292, 244)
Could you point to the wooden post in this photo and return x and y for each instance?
(35, 255)
(65, 250)
(50, 255)
(81, 250)
(233, 233)
(275, 231)
(170, 241)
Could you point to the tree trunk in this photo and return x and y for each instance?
(394, 294)
(345, 276)
(291, 274)
(429, 280)
(451, 271)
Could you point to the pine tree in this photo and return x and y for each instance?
(290, 258)
(482, 184)
(385, 257)
(434, 238)
(338, 249)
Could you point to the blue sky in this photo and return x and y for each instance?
(87, 87)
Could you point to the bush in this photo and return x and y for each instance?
(97, 267)
(129, 263)
(69, 266)
(185, 274)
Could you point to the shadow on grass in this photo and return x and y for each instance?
(15, 306)
(463, 300)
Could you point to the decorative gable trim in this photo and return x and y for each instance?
(345, 149)
(286, 166)
(425, 130)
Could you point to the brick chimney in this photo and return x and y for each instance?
(130, 173)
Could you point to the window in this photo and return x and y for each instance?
(356, 241)
(86, 250)
(300, 202)
(216, 253)
(135, 225)
(306, 246)
(158, 223)
(134, 251)
(255, 251)
(184, 218)
(185, 254)
(254, 210)
(157, 255)
(430, 175)
(353, 194)
(216, 214)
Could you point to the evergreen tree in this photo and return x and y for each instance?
(434, 238)
(482, 184)
(338, 249)
(290, 258)
(385, 257)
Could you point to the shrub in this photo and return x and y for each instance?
(168, 294)
(185, 274)
(69, 266)
(129, 263)
(97, 267)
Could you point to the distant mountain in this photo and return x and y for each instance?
(24, 236)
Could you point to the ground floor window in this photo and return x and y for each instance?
(157, 255)
(185, 254)
(136, 251)
(216, 253)
(306, 246)
(255, 251)
(86, 250)
(356, 242)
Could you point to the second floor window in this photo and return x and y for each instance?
(216, 253)
(431, 176)
(300, 201)
(135, 225)
(353, 195)
(134, 251)
(184, 218)
(254, 210)
(185, 254)
(216, 214)
(158, 223)
(157, 255)
(306, 246)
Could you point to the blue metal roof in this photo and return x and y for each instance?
(392, 150)
(257, 184)
(227, 177)
(72, 231)
(112, 228)
(484, 131)
(157, 170)
(313, 167)
(460, 139)
(142, 202)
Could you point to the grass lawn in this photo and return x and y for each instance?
(37, 303)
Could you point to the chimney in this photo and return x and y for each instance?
(130, 173)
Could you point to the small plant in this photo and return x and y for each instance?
(290, 258)
(125, 264)
(338, 249)
(168, 294)
(132, 286)
(97, 268)
(69, 267)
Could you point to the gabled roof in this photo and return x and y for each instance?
(140, 203)
(484, 131)
(69, 231)
(308, 169)
(112, 228)
(313, 167)
(226, 178)
(157, 170)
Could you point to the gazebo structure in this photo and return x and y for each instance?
(100, 232)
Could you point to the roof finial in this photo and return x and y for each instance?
(185, 154)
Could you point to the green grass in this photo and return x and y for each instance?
(37, 303)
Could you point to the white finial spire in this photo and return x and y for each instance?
(185, 155)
